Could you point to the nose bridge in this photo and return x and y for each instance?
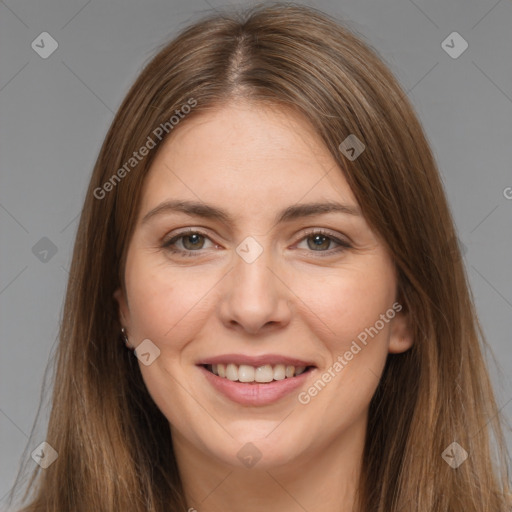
(252, 264)
(256, 296)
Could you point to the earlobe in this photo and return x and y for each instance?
(401, 338)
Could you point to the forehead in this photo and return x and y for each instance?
(248, 157)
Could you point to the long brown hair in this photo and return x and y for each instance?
(115, 448)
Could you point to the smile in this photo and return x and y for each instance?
(265, 381)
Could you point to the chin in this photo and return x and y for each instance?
(254, 450)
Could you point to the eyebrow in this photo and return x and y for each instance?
(198, 209)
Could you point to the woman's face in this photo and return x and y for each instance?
(232, 265)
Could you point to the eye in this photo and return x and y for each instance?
(318, 240)
(191, 241)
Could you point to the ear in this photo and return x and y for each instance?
(401, 338)
(124, 311)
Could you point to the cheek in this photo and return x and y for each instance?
(345, 317)
(343, 306)
(166, 303)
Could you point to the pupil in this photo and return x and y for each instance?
(194, 237)
(319, 240)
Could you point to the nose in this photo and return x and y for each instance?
(255, 296)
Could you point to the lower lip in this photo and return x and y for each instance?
(255, 393)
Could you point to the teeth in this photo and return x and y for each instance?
(247, 373)
(279, 372)
(263, 373)
(232, 372)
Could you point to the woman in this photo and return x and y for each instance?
(266, 226)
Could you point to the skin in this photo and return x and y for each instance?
(254, 161)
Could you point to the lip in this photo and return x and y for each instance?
(255, 361)
(255, 394)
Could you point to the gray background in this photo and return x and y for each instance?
(55, 113)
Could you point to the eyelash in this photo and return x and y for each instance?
(168, 244)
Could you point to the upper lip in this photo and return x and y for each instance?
(255, 361)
